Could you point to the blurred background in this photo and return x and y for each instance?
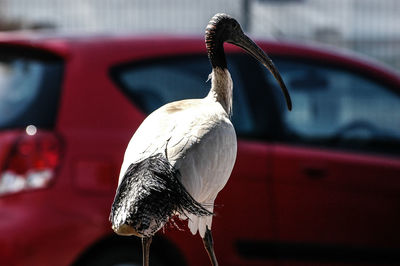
(370, 27)
(322, 181)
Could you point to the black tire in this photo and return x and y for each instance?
(118, 256)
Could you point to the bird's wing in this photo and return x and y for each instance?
(205, 169)
(204, 155)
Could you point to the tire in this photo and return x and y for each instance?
(119, 256)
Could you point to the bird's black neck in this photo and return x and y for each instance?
(216, 55)
(215, 41)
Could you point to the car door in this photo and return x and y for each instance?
(336, 170)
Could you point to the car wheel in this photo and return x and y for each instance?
(119, 256)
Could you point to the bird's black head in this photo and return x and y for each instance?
(223, 28)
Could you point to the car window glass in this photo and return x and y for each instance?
(19, 83)
(152, 84)
(339, 108)
(29, 89)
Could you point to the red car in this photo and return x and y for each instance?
(320, 184)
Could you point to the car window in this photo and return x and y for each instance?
(29, 89)
(338, 108)
(154, 83)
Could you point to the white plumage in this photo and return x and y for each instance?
(199, 140)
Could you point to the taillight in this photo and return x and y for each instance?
(31, 163)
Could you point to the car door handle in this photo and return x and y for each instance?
(314, 172)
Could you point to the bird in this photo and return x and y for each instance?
(183, 153)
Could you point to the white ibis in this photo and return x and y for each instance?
(183, 153)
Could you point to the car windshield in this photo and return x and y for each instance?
(29, 88)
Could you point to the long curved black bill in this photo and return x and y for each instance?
(250, 47)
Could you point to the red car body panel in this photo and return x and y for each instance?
(271, 189)
(320, 183)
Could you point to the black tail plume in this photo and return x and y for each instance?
(149, 194)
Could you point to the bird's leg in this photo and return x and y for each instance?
(146, 241)
(209, 245)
